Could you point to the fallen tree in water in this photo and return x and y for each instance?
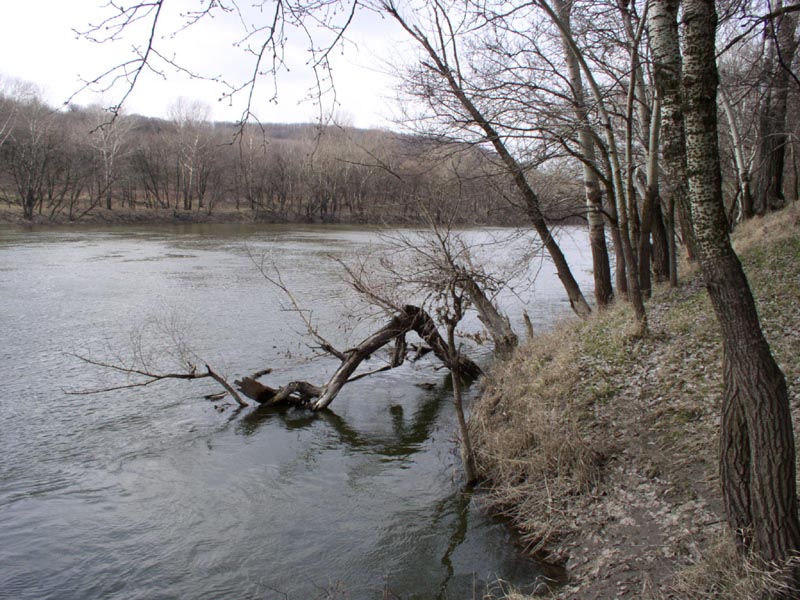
(410, 318)
(436, 272)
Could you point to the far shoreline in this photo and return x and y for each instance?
(12, 216)
(102, 216)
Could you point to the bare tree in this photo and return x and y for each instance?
(13, 94)
(623, 192)
(667, 65)
(743, 160)
(446, 82)
(594, 206)
(110, 140)
(30, 155)
(190, 118)
(152, 160)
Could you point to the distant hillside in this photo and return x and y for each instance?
(79, 166)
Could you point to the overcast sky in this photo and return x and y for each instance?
(38, 44)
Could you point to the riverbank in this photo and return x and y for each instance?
(12, 215)
(602, 448)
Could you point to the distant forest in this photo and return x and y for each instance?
(66, 164)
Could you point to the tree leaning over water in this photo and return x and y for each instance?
(757, 453)
(450, 83)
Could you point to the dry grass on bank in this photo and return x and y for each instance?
(721, 574)
(602, 447)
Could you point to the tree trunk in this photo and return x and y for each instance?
(626, 205)
(28, 204)
(663, 26)
(603, 292)
(620, 268)
(576, 298)
(503, 336)
(781, 46)
(742, 167)
(661, 251)
(735, 471)
(649, 201)
(756, 410)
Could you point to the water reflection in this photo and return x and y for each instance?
(460, 510)
(407, 433)
(451, 514)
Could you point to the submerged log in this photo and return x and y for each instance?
(296, 392)
(411, 318)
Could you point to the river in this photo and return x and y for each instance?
(153, 493)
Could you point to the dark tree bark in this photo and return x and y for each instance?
(661, 258)
(758, 453)
(735, 472)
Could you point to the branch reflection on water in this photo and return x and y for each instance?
(452, 514)
(408, 434)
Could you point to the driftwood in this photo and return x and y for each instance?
(411, 318)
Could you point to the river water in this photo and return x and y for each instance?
(154, 493)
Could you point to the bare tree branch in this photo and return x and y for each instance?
(276, 279)
(150, 377)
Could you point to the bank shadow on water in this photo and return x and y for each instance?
(464, 529)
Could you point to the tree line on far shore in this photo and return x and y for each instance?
(70, 163)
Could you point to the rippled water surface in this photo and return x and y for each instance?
(152, 493)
